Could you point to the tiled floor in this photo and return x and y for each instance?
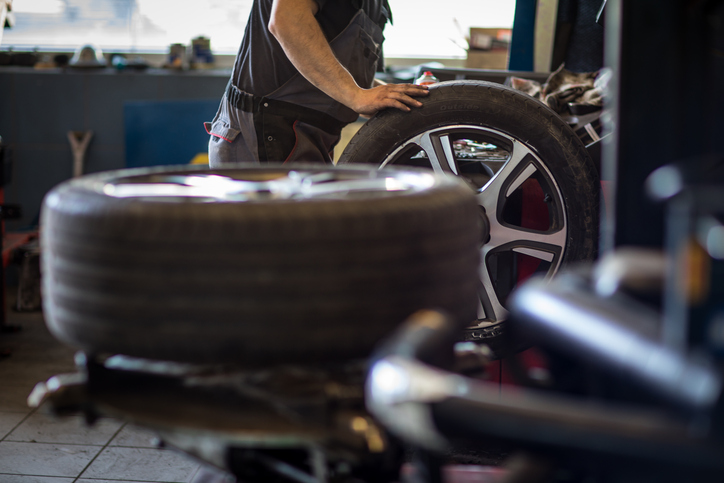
(37, 448)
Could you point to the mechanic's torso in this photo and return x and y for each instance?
(261, 67)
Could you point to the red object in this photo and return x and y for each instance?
(426, 79)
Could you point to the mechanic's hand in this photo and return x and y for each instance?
(368, 102)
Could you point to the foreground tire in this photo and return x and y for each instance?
(253, 265)
(533, 179)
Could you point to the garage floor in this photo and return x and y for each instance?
(36, 448)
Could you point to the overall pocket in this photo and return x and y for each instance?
(229, 133)
(365, 59)
(221, 143)
(220, 130)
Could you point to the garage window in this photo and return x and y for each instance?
(150, 26)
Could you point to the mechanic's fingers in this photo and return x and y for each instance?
(398, 96)
(404, 100)
(410, 89)
(414, 89)
(405, 93)
(397, 105)
(410, 101)
(403, 103)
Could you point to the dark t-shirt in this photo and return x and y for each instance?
(261, 65)
(335, 15)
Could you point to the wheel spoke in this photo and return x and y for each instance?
(529, 171)
(533, 241)
(490, 193)
(543, 246)
(536, 253)
(439, 151)
(490, 308)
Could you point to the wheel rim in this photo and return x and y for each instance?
(268, 185)
(521, 204)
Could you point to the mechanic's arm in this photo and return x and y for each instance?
(293, 24)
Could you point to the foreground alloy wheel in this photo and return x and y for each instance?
(535, 184)
(253, 265)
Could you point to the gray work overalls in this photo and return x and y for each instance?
(297, 121)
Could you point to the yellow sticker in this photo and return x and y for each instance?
(201, 158)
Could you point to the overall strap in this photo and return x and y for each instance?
(250, 103)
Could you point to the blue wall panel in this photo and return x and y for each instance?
(47, 107)
(39, 107)
(166, 132)
(107, 95)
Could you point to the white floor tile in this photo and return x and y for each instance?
(34, 479)
(8, 421)
(43, 428)
(134, 436)
(142, 464)
(45, 459)
(84, 480)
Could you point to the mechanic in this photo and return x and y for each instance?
(304, 70)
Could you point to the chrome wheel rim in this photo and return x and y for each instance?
(521, 237)
(264, 185)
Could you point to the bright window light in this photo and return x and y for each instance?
(419, 30)
(430, 30)
(46, 7)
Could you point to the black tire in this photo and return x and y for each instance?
(544, 157)
(254, 277)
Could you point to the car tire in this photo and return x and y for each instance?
(253, 265)
(541, 202)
